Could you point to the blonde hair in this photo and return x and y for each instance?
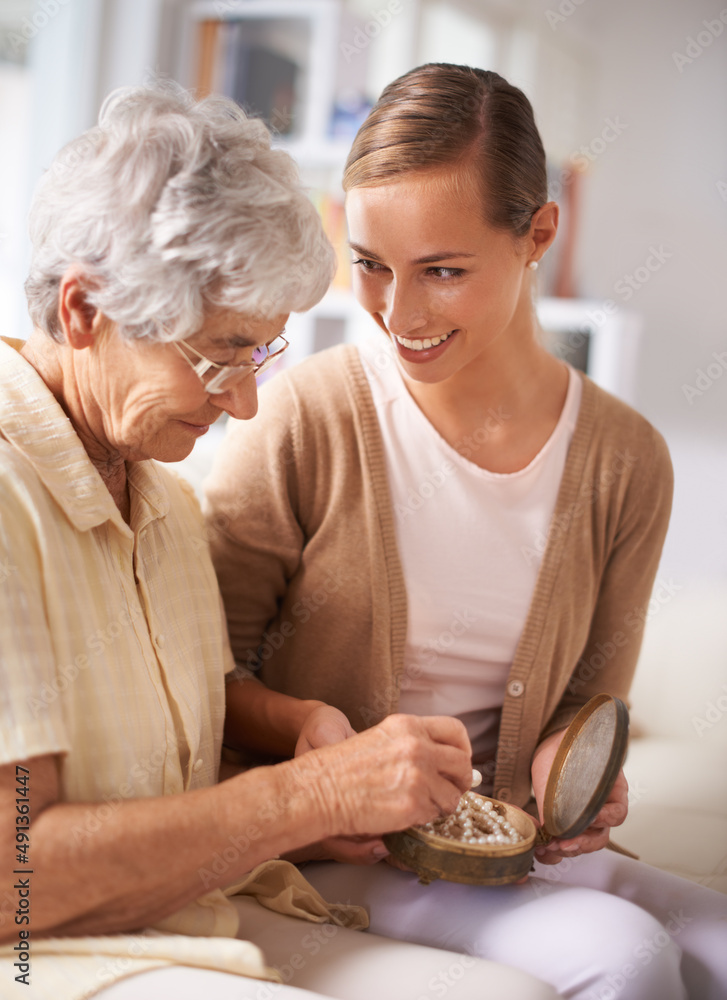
(175, 207)
(442, 114)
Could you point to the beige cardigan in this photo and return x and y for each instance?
(302, 533)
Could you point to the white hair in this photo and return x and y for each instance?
(175, 207)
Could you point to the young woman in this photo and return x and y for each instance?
(449, 520)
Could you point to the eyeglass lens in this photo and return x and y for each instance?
(262, 358)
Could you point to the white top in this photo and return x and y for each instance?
(470, 543)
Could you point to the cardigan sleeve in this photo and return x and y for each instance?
(624, 604)
(251, 514)
(302, 537)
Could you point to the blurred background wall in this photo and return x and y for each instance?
(629, 95)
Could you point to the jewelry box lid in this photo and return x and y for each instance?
(585, 767)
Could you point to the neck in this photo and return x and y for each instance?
(57, 365)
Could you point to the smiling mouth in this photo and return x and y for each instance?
(426, 343)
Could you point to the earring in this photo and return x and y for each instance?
(533, 265)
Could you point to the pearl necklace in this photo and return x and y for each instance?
(475, 821)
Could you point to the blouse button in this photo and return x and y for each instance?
(161, 640)
(198, 765)
(515, 688)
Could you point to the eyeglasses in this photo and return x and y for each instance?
(225, 375)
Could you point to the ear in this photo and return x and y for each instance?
(543, 227)
(79, 319)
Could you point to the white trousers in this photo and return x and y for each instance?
(597, 927)
(323, 961)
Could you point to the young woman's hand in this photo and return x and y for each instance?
(596, 836)
(324, 726)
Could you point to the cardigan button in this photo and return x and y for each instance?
(515, 688)
(503, 794)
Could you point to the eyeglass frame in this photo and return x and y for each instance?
(242, 370)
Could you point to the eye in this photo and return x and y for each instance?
(446, 272)
(368, 265)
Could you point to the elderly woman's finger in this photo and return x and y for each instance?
(443, 737)
(448, 730)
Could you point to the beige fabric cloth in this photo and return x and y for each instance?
(279, 886)
(76, 968)
(73, 968)
(302, 533)
(114, 655)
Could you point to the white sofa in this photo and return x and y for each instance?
(677, 759)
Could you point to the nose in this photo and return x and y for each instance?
(403, 310)
(240, 400)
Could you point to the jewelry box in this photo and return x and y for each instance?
(581, 777)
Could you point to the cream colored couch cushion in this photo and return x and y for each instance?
(677, 761)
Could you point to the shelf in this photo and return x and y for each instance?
(275, 57)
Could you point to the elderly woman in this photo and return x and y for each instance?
(169, 245)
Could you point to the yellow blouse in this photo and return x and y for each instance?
(114, 648)
(113, 655)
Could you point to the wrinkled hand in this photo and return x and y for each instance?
(325, 726)
(405, 771)
(596, 836)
